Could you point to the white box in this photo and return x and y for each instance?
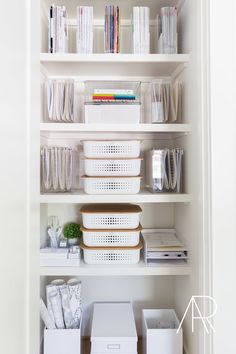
(58, 257)
(112, 113)
(113, 329)
(62, 341)
(159, 332)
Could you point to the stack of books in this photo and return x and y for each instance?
(141, 31)
(112, 29)
(58, 30)
(162, 246)
(84, 35)
(167, 31)
(113, 95)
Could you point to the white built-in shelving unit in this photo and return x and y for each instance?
(167, 285)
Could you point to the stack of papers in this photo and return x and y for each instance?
(164, 170)
(58, 30)
(84, 34)
(167, 30)
(113, 95)
(163, 246)
(166, 101)
(60, 100)
(112, 29)
(141, 31)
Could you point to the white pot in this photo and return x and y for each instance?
(72, 241)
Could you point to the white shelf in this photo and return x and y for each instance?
(117, 270)
(131, 128)
(91, 64)
(143, 197)
(113, 58)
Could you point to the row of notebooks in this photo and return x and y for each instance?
(84, 34)
(141, 32)
(166, 30)
(112, 29)
(58, 30)
(163, 246)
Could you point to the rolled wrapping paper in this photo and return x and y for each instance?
(49, 323)
(74, 287)
(67, 313)
(55, 299)
(49, 289)
(58, 283)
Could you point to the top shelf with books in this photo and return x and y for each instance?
(120, 27)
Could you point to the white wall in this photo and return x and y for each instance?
(13, 176)
(223, 143)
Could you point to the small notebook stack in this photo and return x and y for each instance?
(112, 29)
(58, 30)
(167, 30)
(141, 32)
(163, 246)
(84, 35)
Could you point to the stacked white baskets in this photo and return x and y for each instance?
(111, 233)
(112, 167)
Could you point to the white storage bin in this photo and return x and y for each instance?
(111, 255)
(111, 238)
(113, 329)
(58, 257)
(110, 216)
(102, 113)
(159, 332)
(112, 167)
(112, 185)
(61, 341)
(111, 148)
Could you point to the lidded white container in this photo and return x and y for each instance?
(113, 329)
(112, 185)
(111, 148)
(112, 167)
(110, 216)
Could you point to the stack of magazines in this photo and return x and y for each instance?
(141, 32)
(163, 245)
(84, 36)
(167, 30)
(58, 30)
(112, 29)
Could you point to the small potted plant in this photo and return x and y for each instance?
(72, 233)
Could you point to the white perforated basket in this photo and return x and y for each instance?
(110, 217)
(111, 238)
(98, 255)
(112, 167)
(111, 149)
(112, 185)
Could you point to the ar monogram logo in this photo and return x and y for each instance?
(197, 315)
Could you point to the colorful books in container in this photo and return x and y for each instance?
(113, 95)
(112, 29)
(57, 30)
(141, 31)
(84, 34)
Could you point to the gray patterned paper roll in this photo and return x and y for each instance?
(55, 299)
(50, 288)
(67, 313)
(49, 323)
(74, 287)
